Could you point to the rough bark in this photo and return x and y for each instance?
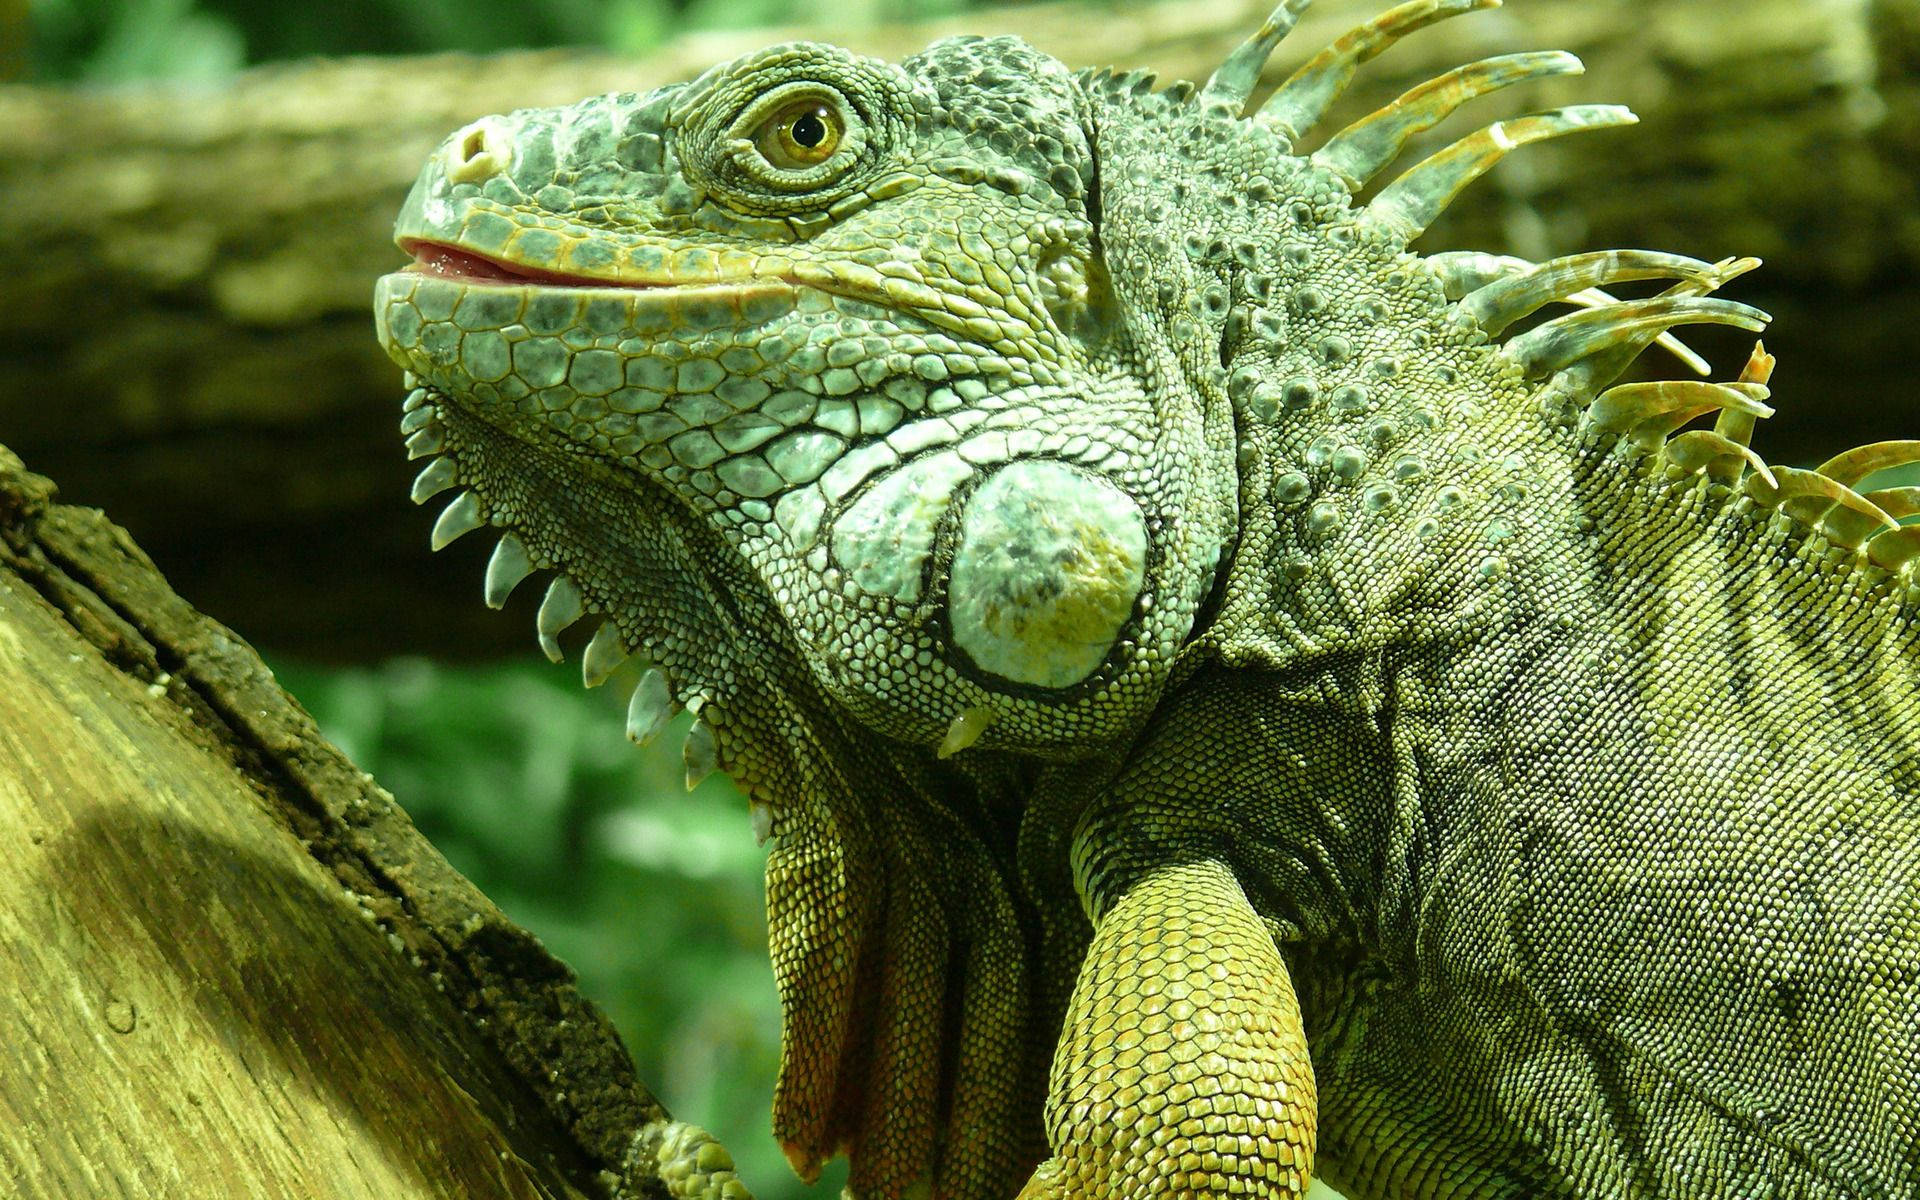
(189, 341)
(233, 967)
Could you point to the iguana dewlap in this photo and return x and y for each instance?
(1226, 696)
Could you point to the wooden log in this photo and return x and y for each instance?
(189, 343)
(233, 966)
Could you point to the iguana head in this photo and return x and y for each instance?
(818, 352)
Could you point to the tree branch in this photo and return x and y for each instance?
(237, 967)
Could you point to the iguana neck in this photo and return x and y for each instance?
(1395, 476)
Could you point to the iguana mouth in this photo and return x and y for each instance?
(768, 277)
(446, 261)
(453, 262)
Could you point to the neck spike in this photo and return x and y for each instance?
(1588, 375)
(1409, 204)
(1234, 81)
(1365, 148)
(1503, 301)
(1305, 98)
(1563, 341)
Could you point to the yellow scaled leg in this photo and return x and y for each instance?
(1182, 1072)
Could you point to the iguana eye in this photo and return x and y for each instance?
(801, 135)
(793, 143)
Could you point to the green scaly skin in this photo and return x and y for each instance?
(1221, 708)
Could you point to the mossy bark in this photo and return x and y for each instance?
(233, 967)
(189, 342)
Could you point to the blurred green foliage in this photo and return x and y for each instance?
(653, 894)
(117, 40)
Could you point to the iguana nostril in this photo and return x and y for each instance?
(479, 151)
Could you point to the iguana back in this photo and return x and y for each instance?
(1200, 664)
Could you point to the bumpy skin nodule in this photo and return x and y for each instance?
(1137, 591)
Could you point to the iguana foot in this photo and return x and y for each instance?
(687, 1159)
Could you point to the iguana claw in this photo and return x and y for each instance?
(687, 1159)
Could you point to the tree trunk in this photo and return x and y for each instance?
(233, 966)
(189, 341)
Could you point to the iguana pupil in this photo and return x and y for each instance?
(809, 131)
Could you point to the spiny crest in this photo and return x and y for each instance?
(1358, 153)
(1651, 414)
(652, 704)
(1579, 354)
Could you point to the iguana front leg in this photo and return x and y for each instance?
(1182, 1070)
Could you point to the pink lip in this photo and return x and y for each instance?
(452, 262)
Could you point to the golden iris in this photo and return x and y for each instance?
(800, 135)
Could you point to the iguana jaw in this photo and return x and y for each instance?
(610, 374)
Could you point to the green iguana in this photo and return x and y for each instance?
(1221, 704)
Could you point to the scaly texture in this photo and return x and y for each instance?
(1136, 590)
